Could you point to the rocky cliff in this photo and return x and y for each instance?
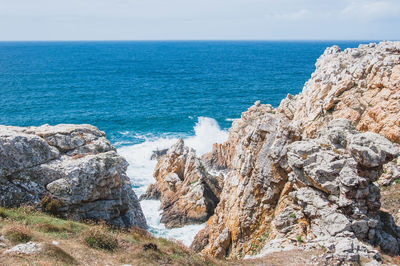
(69, 170)
(299, 177)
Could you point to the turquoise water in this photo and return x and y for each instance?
(146, 94)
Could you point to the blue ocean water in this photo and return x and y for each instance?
(146, 94)
(147, 87)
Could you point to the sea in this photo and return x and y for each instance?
(147, 94)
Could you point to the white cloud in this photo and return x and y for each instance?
(371, 10)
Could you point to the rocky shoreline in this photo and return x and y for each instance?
(302, 176)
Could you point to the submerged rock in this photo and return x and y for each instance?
(188, 194)
(70, 170)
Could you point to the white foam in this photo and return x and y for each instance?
(207, 132)
(152, 212)
(231, 119)
(141, 167)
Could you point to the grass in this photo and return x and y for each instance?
(98, 237)
(292, 215)
(88, 244)
(17, 233)
(58, 254)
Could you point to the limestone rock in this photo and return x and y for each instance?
(26, 249)
(364, 89)
(75, 166)
(188, 193)
(277, 188)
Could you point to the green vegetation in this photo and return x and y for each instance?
(299, 239)
(98, 237)
(292, 215)
(88, 243)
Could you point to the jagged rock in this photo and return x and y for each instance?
(364, 89)
(324, 187)
(354, 204)
(188, 194)
(252, 188)
(74, 166)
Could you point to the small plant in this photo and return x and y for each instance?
(292, 215)
(304, 156)
(99, 238)
(51, 205)
(397, 181)
(18, 234)
(3, 214)
(299, 239)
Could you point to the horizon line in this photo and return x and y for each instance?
(204, 40)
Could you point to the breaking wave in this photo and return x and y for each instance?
(140, 171)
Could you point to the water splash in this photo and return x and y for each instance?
(141, 167)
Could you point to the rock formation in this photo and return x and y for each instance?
(187, 192)
(298, 176)
(70, 170)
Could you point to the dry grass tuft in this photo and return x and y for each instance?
(50, 228)
(50, 205)
(17, 233)
(99, 237)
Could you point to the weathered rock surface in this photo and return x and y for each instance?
(360, 84)
(290, 181)
(25, 249)
(74, 166)
(188, 194)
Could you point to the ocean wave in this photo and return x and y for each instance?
(231, 119)
(141, 167)
(207, 132)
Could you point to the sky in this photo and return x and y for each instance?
(199, 19)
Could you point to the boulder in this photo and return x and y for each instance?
(70, 170)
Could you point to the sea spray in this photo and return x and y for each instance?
(207, 132)
(141, 167)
